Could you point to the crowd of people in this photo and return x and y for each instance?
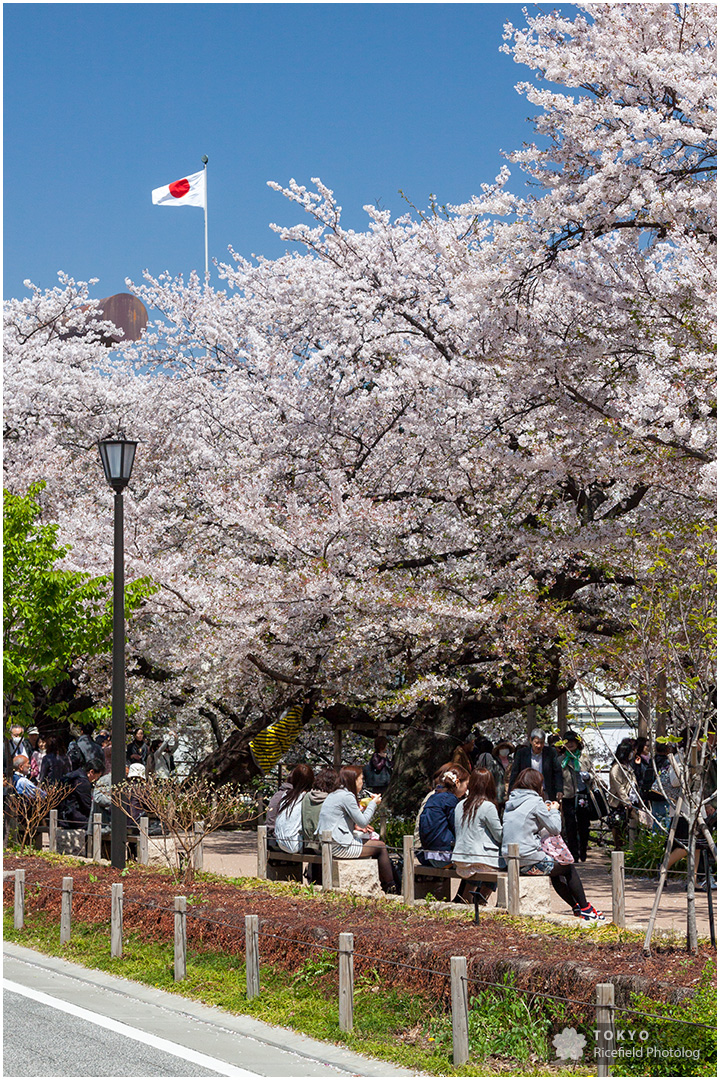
(82, 767)
(468, 818)
(542, 795)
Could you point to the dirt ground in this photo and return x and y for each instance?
(412, 945)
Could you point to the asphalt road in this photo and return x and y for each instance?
(39, 1040)
(61, 1019)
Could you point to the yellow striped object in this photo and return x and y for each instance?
(273, 742)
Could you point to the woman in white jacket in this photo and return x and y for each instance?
(288, 823)
(478, 833)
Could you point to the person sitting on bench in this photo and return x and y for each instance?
(478, 834)
(527, 817)
(74, 811)
(288, 823)
(437, 820)
(342, 815)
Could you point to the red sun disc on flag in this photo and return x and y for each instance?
(179, 188)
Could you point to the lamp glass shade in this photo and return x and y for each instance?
(117, 456)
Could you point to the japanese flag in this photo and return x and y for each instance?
(190, 191)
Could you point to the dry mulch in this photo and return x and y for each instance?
(293, 929)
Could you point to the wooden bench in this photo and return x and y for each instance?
(420, 881)
(284, 866)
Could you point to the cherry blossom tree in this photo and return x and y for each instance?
(401, 467)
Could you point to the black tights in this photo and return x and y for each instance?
(376, 849)
(566, 882)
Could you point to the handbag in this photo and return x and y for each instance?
(557, 849)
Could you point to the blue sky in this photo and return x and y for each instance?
(104, 102)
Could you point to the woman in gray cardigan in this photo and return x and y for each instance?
(478, 833)
(342, 815)
(527, 818)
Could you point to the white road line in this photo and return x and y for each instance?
(155, 1041)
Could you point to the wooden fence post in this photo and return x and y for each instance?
(116, 921)
(197, 851)
(604, 1027)
(180, 965)
(19, 922)
(66, 910)
(252, 956)
(513, 873)
(260, 808)
(262, 852)
(144, 841)
(408, 881)
(459, 1003)
(327, 865)
(97, 837)
(52, 831)
(345, 971)
(617, 859)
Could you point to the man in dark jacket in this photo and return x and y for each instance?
(74, 810)
(536, 755)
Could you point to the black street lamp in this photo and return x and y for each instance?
(117, 456)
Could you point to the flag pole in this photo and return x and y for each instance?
(205, 165)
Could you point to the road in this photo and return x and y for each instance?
(61, 1019)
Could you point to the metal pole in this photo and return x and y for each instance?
(205, 165)
(118, 837)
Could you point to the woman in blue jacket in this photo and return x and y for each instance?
(437, 820)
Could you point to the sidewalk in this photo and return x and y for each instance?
(234, 854)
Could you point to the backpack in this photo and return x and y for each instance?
(377, 778)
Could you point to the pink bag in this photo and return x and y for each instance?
(557, 849)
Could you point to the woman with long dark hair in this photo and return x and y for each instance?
(342, 815)
(478, 833)
(288, 823)
(528, 818)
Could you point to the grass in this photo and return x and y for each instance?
(407, 1029)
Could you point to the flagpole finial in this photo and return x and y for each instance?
(204, 159)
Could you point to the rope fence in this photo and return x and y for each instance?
(605, 1009)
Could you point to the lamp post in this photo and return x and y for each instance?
(117, 456)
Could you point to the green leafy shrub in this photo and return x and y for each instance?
(397, 827)
(509, 1024)
(671, 1049)
(647, 851)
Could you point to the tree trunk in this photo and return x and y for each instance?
(232, 762)
(430, 740)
